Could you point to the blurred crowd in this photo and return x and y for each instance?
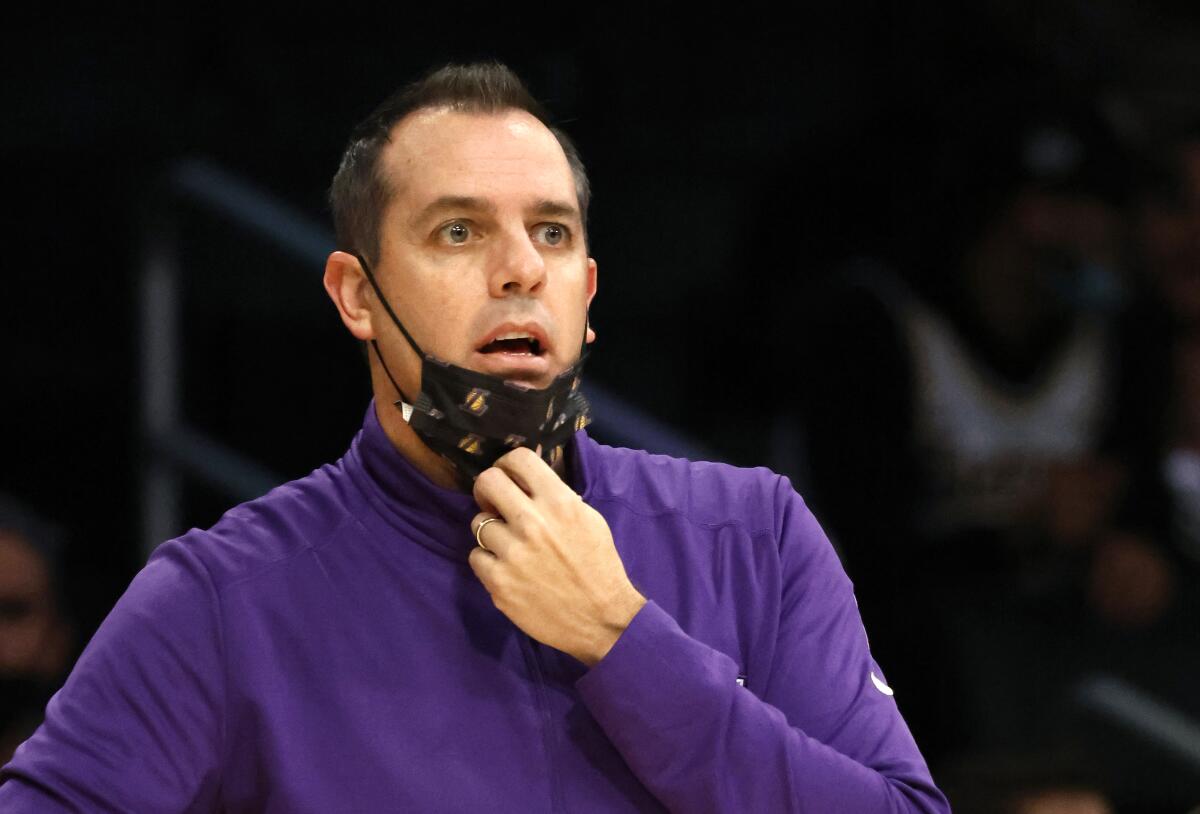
(1002, 426)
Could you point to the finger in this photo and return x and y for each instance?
(530, 472)
(477, 523)
(496, 537)
(484, 565)
(484, 504)
(496, 492)
(479, 518)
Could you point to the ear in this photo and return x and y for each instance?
(347, 286)
(591, 292)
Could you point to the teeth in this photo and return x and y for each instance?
(513, 336)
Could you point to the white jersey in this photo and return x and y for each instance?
(989, 442)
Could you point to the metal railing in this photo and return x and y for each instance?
(173, 448)
(1137, 712)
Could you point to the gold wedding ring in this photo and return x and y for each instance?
(479, 531)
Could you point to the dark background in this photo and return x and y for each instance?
(734, 156)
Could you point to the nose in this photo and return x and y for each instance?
(517, 268)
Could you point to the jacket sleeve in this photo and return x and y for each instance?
(138, 724)
(821, 733)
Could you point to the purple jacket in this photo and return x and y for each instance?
(327, 648)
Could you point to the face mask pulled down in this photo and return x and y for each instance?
(473, 418)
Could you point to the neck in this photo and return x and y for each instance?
(404, 439)
(406, 442)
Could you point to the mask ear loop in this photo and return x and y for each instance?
(406, 408)
(583, 345)
(405, 402)
(388, 306)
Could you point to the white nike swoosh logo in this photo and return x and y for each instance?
(879, 685)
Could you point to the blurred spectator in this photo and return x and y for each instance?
(35, 638)
(1062, 801)
(975, 440)
(1031, 784)
(1168, 232)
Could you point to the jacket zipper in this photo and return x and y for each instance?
(549, 742)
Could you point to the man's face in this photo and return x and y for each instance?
(482, 251)
(27, 619)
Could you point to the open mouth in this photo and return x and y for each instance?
(514, 345)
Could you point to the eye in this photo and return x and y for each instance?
(552, 234)
(456, 232)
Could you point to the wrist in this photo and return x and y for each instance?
(615, 620)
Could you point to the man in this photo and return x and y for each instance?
(438, 621)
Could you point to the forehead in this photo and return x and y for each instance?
(504, 156)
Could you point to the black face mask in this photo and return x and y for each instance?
(473, 418)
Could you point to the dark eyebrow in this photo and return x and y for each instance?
(555, 209)
(465, 203)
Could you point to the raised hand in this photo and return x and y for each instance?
(548, 559)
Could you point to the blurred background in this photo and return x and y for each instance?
(941, 269)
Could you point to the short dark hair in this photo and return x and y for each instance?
(360, 193)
